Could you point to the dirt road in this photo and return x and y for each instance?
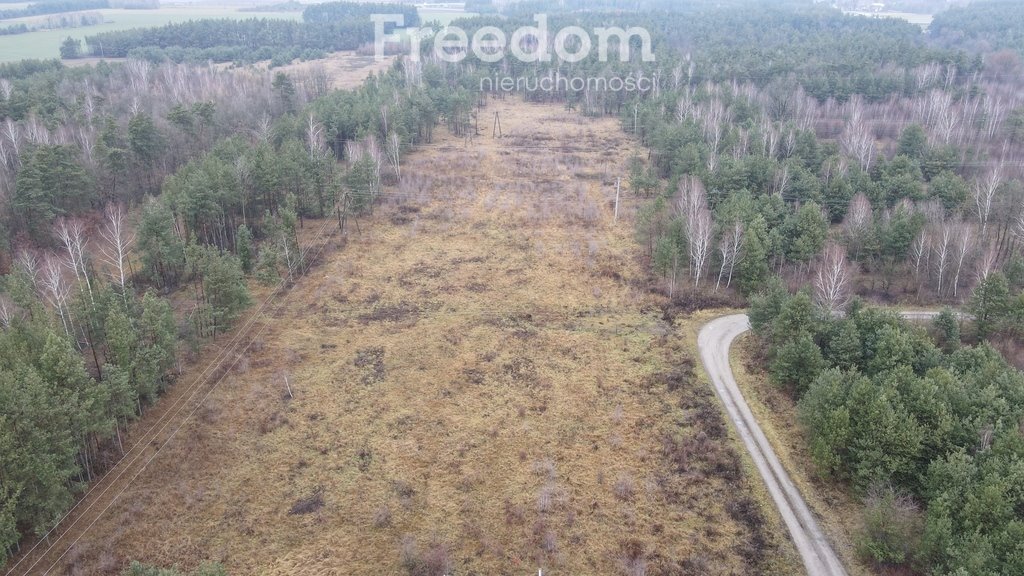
(714, 341)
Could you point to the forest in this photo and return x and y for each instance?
(223, 186)
(787, 146)
(52, 7)
(925, 428)
(326, 27)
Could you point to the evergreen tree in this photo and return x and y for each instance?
(162, 251)
(752, 271)
(797, 363)
(913, 143)
(805, 232)
(244, 248)
(146, 145)
(947, 330)
(50, 183)
(990, 303)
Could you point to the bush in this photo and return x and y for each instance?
(892, 528)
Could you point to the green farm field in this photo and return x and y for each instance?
(46, 43)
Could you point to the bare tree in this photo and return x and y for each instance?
(942, 247)
(6, 312)
(919, 251)
(857, 221)
(5, 155)
(138, 75)
(780, 181)
(983, 192)
(857, 139)
(72, 235)
(36, 131)
(831, 284)
(692, 208)
(698, 232)
(987, 262)
(314, 138)
(394, 151)
(56, 290)
(117, 243)
(13, 135)
(964, 244)
(692, 197)
(729, 250)
(263, 129)
(713, 118)
(6, 88)
(1018, 228)
(28, 262)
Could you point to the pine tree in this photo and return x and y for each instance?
(797, 363)
(824, 414)
(244, 248)
(990, 303)
(947, 330)
(752, 271)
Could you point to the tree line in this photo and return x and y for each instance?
(53, 7)
(87, 338)
(325, 27)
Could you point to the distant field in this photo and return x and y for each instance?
(922, 20)
(443, 16)
(46, 43)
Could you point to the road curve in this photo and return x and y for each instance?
(714, 341)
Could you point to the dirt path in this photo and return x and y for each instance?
(714, 342)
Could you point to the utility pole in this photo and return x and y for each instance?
(618, 181)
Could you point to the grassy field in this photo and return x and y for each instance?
(479, 382)
(922, 20)
(46, 43)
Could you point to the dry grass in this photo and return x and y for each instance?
(483, 384)
(345, 69)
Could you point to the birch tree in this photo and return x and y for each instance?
(6, 312)
(55, 289)
(919, 252)
(117, 243)
(394, 150)
(858, 221)
(72, 234)
(831, 285)
(698, 233)
(983, 192)
(697, 224)
(729, 250)
(942, 247)
(964, 244)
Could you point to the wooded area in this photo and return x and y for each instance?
(855, 157)
(327, 27)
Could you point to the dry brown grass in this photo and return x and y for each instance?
(345, 69)
(483, 384)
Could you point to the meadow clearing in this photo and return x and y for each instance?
(479, 380)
